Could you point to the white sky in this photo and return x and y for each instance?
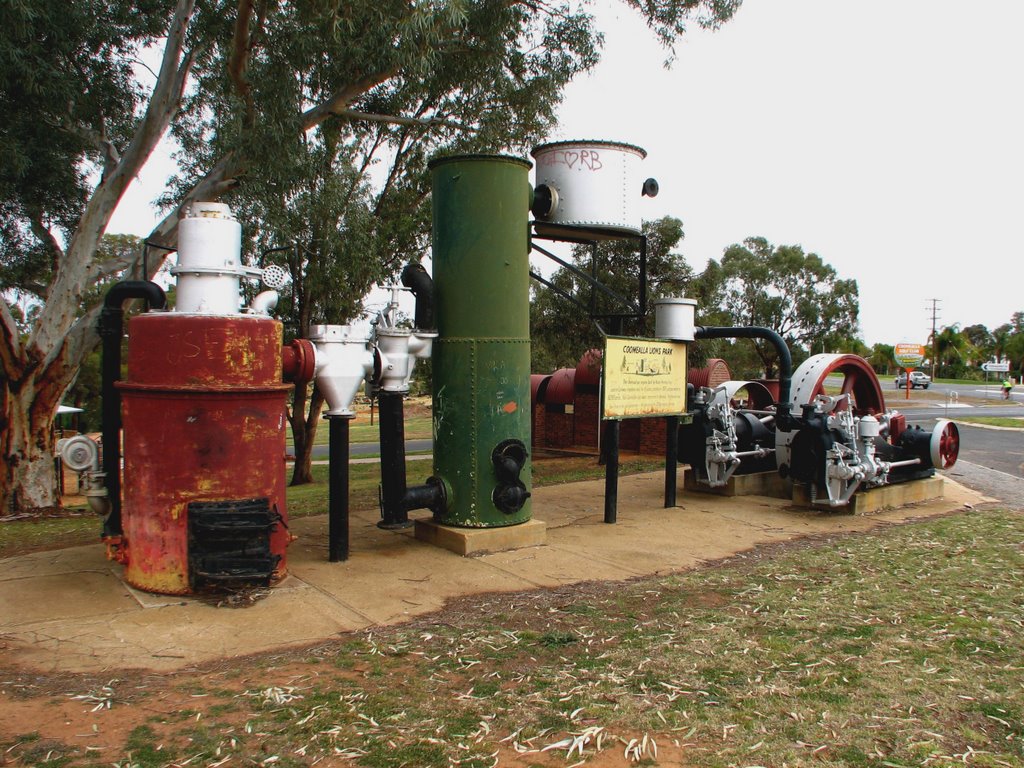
(887, 136)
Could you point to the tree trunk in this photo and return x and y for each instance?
(304, 424)
(28, 482)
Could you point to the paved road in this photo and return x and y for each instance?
(989, 392)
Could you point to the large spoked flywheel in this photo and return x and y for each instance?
(854, 376)
(858, 381)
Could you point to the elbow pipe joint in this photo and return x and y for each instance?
(416, 279)
(785, 360)
(113, 302)
(509, 458)
(110, 330)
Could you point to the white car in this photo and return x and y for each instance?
(917, 379)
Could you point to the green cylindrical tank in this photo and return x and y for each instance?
(481, 358)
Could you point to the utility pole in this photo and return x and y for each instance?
(934, 310)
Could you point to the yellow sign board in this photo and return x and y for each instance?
(643, 377)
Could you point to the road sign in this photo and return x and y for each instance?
(908, 355)
(996, 367)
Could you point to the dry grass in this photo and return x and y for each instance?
(901, 647)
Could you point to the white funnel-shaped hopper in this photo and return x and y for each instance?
(342, 362)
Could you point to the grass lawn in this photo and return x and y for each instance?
(901, 647)
(994, 421)
(78, 526)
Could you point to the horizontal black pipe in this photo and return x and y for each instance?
(785, 358)
(111, 329)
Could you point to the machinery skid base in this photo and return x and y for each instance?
(755, 484)
(473, 541)
(883, 497)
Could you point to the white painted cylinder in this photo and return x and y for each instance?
(595, 184)
(209, 267)
(342, 362)
(869, 427)
(674, 318)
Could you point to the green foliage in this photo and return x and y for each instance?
(882, 358)
(67, 84)
(562, 330)
(794, 293)
(953, 350)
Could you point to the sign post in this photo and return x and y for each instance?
(995, 366)
(639, 378)
(908, 356)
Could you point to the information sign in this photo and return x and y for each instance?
(908, 355)
(996, 366)
(643, 377)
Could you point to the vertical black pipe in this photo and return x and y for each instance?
(611, 470)
(110, 335)
(338, 509)
(111, 329)
(671, 458)
(392, 462)
(643, 284)
(610, 450)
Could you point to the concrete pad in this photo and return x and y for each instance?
(68, 610)
(553, 566)
(189, 632)
(87, 557)
(474, 541)
(412, 578)
(29, 601)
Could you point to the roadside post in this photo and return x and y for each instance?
(994, 366)
(908, 356)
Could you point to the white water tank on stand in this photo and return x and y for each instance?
(587, 184)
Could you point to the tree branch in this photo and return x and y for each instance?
(10, 342)
(45, 236)
(426, 122)
(238, 63)
(71, 279)
(340, 99)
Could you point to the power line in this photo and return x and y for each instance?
(934, 309)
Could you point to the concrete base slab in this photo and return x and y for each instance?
(67, 612)
(472, 541)
(884, 497)
(755, 484)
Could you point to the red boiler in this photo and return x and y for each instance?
(203, 417)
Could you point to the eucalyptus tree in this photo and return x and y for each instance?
(561, 326)
(792, 292)
(242, 85)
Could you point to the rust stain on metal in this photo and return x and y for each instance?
(208, 428)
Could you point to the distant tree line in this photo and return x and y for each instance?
(780, 287)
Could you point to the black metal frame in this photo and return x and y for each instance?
(638, 311)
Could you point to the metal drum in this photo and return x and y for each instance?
(203, 411)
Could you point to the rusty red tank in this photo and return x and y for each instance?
(203, 411)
